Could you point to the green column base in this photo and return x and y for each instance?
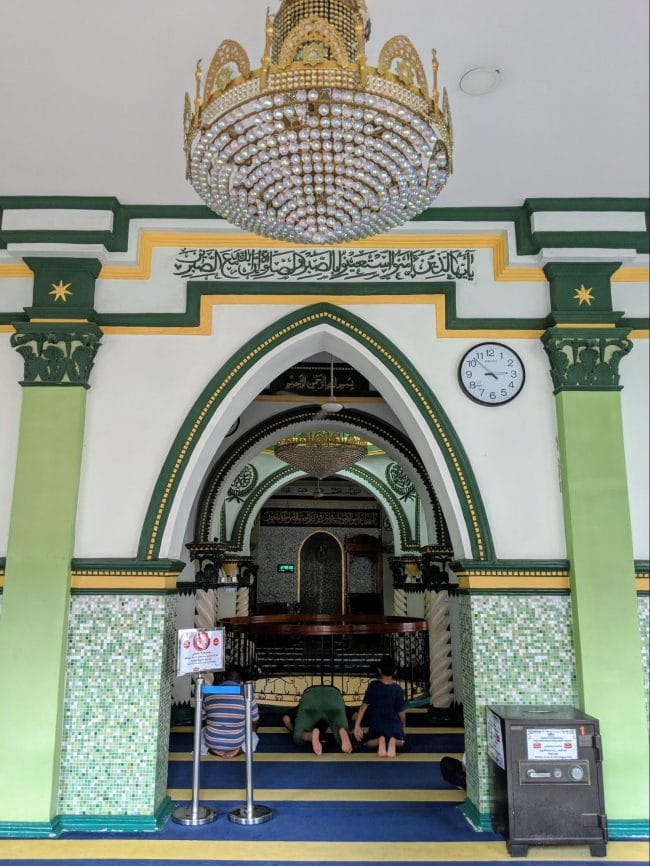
(88, 824)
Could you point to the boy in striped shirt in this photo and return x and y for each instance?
(225, 719)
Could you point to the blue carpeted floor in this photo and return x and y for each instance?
(367, 809)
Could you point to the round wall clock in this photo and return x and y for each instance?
(491, 374)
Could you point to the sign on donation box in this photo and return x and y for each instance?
(200, 650)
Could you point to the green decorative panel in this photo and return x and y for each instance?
(582, 288)
(63, 288)
(644, 626)
(117, 705)
(515, 650)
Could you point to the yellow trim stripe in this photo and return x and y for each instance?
(207, 302)
(465, 582)
(326, 795)
(583, 325)
(327, 758)
(631, 275)
(496, 242)
(480, 581)
(68, 850)
(14, 271)
(128, 580)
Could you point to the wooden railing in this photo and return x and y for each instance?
(292, 652)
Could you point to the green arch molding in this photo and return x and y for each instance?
(236, 539)
(359, 420)
(239, 527)
(252, 353)
(407, 541)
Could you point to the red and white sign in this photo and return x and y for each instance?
(552, 744)
(200, 650)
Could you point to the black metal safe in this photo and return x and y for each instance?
(546, 777)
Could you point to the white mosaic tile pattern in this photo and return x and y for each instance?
(117, 705)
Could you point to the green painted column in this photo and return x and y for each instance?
(58, 345)
(585, 347)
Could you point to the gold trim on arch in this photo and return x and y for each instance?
(343, 581)
(403, 375)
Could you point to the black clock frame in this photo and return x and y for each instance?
(483, 402)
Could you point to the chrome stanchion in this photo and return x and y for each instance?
(194, 815)
(250, 813)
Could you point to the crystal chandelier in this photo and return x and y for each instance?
(321, 454)
(316, 146)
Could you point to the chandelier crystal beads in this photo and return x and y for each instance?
(317, 147)
(321, 454)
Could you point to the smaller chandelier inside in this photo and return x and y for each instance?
(321, 454)
(316, 146)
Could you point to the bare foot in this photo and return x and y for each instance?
(286, 721)
(381, 749)
(316, 744)
(231, 754)
(391, 751)
(346, 745)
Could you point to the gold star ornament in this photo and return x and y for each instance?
(584, 296)
(60, 291)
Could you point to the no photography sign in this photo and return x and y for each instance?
(200, 650)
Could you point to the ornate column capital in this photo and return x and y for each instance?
(583, 341)
(434, 572)
(59, 341)
(406, 572)
(583, 359)
(219, 567)
(56, 353)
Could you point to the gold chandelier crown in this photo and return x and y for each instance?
(321, 453)
(316, 146)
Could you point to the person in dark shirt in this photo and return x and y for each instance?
(383, 708)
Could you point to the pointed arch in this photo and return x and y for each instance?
(359, 422)
(424, 419)
(240, 535)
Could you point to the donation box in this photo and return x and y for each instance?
(546, 778)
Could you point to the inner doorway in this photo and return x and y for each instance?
(320, 587)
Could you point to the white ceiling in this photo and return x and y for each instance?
(92, 92)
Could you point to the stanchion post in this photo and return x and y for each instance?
(194, 815)
(249, 814)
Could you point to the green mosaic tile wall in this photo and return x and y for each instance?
(644, 626)
(117, 704)
(515, 650)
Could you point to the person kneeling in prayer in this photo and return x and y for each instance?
(224, 733)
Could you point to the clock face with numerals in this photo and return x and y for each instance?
(491, 374)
